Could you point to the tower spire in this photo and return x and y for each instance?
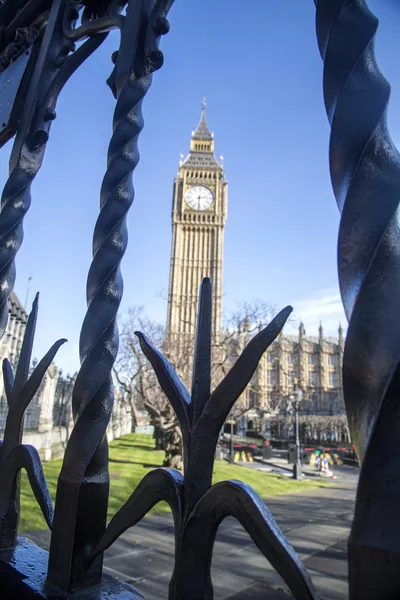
(202, 132)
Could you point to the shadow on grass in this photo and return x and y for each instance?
(134, 462)
(132, 445)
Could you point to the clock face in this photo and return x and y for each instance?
(199, 197)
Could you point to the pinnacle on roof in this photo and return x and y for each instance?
(202, 132)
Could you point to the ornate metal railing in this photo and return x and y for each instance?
(37, 57)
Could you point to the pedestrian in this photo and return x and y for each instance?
(317, 460)
(326, 468)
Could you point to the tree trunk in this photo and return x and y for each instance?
(158, 435)
(173, 448)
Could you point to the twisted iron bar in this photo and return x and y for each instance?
(15, 203)
(52, 70)
(84, 481)
(25, 162)
(84, 475)
(365, 172)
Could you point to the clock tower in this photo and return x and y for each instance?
(199, 210)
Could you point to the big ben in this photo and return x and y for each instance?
(199, 211)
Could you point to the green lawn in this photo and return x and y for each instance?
(131, 457)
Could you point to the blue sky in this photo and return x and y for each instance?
(262, 76)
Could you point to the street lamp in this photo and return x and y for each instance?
(297, 397)
(231, 422)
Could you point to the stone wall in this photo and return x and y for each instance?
(48, 419)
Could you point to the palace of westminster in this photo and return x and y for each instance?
(199, 214)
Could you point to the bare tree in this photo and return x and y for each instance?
(136, 377)
(313, 428)
(131, 369)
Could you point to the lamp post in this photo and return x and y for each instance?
(297, 397)
(231, 422)
(231, 447)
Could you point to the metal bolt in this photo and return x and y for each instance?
(73, 13)
(39, 139)
(114, 57)
(49, 114)
(153, 61)
(161, 26)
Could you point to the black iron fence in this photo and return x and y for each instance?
(38, 54)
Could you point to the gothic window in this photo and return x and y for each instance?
(312, 378)
(333, 402)
(312, 359)
(213, 219)
(332, 359)
(252, 399)
(292, 377)
(293, 359)
(271, 377)
(333, 379)
(271, 357)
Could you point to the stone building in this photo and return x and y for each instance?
(199, 213)
(312, 363)
(11, 342)
(48, 419)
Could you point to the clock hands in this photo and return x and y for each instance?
(199, 198)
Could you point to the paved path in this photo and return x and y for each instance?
(281, 466)
(316, 523)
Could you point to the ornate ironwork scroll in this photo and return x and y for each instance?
(14, 456)
(53, 60)
(198, 506)
(365, 172)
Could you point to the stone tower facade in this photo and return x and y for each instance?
(199, 212)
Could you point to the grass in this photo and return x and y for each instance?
(131, 457)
